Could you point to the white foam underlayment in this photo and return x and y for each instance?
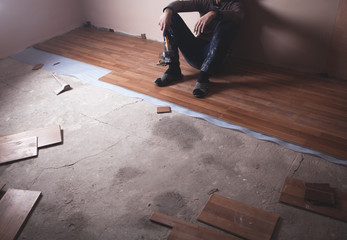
(91, 74)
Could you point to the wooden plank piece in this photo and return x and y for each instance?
(17, 150)
(179, 233)
(15, 207)
(46, 136)
(238, 218)
(183, 230)
(163, 109)
(293, 193)
(38, 66)
(167, 220)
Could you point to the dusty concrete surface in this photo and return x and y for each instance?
(120, 161)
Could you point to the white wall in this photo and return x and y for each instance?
(291, 33)
(26, 22)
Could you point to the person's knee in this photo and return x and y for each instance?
(176, 19)
(177, 24)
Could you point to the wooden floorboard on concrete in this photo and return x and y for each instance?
(183, 230)
(15, 207)
(238, 218)
(46, 136)
(18, 149)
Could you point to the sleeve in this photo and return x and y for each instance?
(186, 6)
(232, 11)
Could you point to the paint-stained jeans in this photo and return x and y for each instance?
(199, 53)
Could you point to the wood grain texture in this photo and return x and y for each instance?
(183, 230)
(300, 108)
(238, 218)
(293, 193)
(18, 149)
(163, 109)
(15, 207)
(46, 136)
(168, 221)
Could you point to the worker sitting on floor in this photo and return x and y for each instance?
(218, 24)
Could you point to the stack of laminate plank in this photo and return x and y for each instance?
(18, 146)
(293, 193)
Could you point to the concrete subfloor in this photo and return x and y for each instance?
(120, 161)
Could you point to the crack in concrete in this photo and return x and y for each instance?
(102, 233)
(129, 104)
(74, 163)
(116, 109)
(87, 157)
(35, 180)
(84, 158)
(256, 148)
(299, 165)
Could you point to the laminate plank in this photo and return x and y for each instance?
(15, 207)
(293, 193)
(163, 109)
(168, 221)
(300, 108)
(172, 95)
(46, 136)
(183, 230)
(18, 149)
(238, 218)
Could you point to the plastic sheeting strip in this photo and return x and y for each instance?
(90, 74)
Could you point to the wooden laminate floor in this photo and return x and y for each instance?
(304, 109)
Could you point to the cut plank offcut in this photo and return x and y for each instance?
(183, 230)
(163, 109)
(238, 218)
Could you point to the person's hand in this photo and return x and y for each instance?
(165, 20)
(204, 21)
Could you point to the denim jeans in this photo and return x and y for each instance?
(201, 54)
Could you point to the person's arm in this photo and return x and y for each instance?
(204, 21)
(176, 7)
(232, 12)
(186, 6)
(165, 20)
(231, 16)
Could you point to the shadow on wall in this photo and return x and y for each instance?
(286, 40)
